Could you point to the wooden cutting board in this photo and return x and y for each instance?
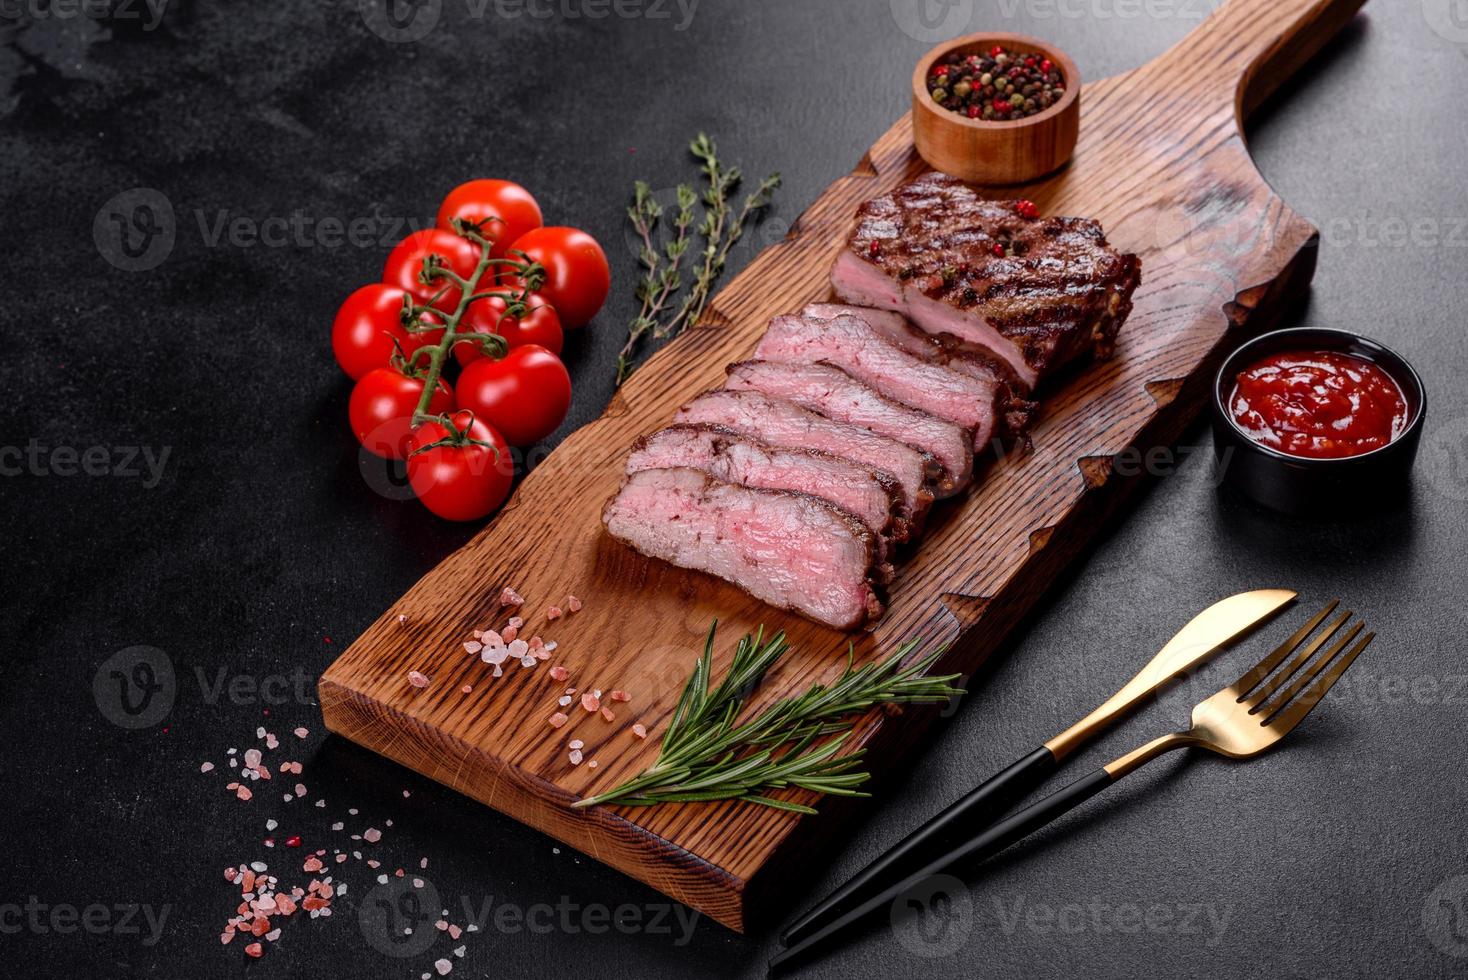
(1162, 164)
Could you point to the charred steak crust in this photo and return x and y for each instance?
(1015, 412)
(786, 424)
(871, 497)
(1058, 291)
(689, 519)
(826, 388)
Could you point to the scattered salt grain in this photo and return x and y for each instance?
(620, 696)
(372, 835)
(639, 730)
(509, 597)
(590, 701)
(575, 743)
(553, 613)
(559, 673)
(573, 604)
(575, 757)
(301, 732)
(564, 700)
(558, 719)
(417, 679)
(473, 646)
(516, 622)
(443, 967)
(607, 714)
(207, 767)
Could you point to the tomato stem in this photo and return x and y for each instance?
(530, 273)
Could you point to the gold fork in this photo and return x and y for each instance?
(1240, 721)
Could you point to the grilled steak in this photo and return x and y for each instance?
(827, 389)
(1016, 412)
(788, 549)
(781, 423)
(927, 250)
(868, 354)
(726, 455)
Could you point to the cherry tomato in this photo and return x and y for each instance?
(525, 395)
(460, 483)
(381, 409)
(577, 277)
(504, 209)
(406, 262)
(540, 326)
(367, 324)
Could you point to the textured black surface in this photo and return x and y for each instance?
(261, 551)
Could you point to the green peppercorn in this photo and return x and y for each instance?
(962, 89)
(987, 78)
(939, 94)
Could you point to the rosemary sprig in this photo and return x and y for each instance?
(657, 286)
(720, 229)
(705, 755)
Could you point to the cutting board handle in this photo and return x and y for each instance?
(1248, 48)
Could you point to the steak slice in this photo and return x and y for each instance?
(1017, 413)
(871, 356)
(782, 423)
(726, 455)
(927, 250)
(825, 388)
(788, 549)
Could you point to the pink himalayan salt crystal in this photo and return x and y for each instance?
(510, 633)
(559, 673)
(620, 696)
(558, 719)
(573, 604)
(301, 732)
(252, 758)
(473, 646)
(590, 701)
(639, 730)
(516, 622)
(509, 597)
(209, 766)
(607, 714)
(417, 679)
(554, 612)
(372, 835)
(576, 757)
(492, 638)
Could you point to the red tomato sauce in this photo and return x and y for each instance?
(1318, 404)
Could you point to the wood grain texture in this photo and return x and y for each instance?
(1007, 152)
(1161, 162)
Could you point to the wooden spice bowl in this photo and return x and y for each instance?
(990, 152)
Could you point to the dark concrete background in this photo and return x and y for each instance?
(261, 551)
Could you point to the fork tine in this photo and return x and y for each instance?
(1255, 700)
(1304, 681)
(1257, 673)
(1286, 714)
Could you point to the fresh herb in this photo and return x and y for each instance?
(658, 284)
(720, 229)
(706, 755)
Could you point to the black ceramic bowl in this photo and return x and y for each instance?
(1319, 487)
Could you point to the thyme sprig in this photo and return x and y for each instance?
(707, 755)
(720, 229)
(658, 284)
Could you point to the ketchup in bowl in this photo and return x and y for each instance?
(1318, 404)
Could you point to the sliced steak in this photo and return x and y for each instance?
(728, 456)
(1017, 412)
(871, 356)
(1057, 291)
(825, 388)
(787, 549)
(782, 423)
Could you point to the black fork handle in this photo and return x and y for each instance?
(993, 840)
(965, 817)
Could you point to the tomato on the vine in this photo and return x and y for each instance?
(406, 262)
(460, 482)
(365, 327)
(503, 210)
(382, 406)
(525, 395)
(577, 277)
(540, 326)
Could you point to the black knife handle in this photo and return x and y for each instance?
(965, 818)
(990, 842)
